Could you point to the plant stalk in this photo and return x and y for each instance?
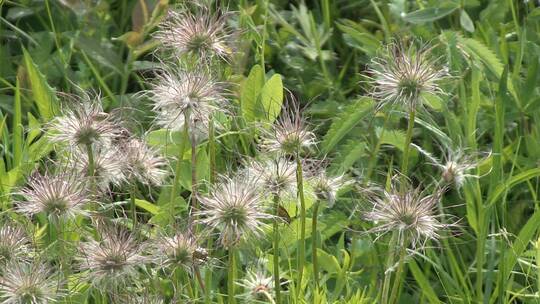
(302, 239)
(277, 283)
(315, 245)
(408, 140)
(231, 276)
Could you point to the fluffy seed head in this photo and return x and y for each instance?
(113, 260)
(277, 175)
(258, 286)
(142, 163)
(404, 74)
(108, 167)
(202, 34)
(180, 250)
(83, 124)
(234, 207)
(326, 187)
(14, 244)
(411, 214)
(289, 135)
(59, 196)
(179, 94)
(24, 283)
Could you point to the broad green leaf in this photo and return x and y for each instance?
(466, 22)
(250, 93)
(429, 14)
(43, 95)
(345, 122)
(272, 98)
(143, 204)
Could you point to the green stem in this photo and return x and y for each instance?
(408, 140)
(315, 245)
(277, 283)
(178, 168)
(231, 276)
(399, 272)
(133, 205)
(302, 239)
(212, 151)
(389, 264)
(91, 164)
(194, 204)
(373, 157)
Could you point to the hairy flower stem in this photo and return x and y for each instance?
(178, 168)
(231, 276)
(194, 204)
(375, 153)
(315, 243)
(389, 264)
(408, 140)
(133, 205)
(90, 153)
(277, 284)
(400, 268)
(302, 239)
(212, 150)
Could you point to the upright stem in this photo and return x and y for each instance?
(399, 272)
(277, 283)
(212, 150)
(302, 239)
(389, 264)
(315, 242)
(408, 139)
(194, 206)
(178, 168)
(91, 165)
(133, 205)
(231, 276)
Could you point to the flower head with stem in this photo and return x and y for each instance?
(258, 286)
(290, 135)
(182, 94)
(235, 208)
(143, 163)
(84, 123)
(29, 283)
(113, 260)
(203, 34)
(59, 196)
(14, 244)
(325, 187)
(405, 74)
(277, 175)
(411, 214)
(179, 250)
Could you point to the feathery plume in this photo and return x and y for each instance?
(326, 187)
(61, 196)
(258, 286)
(32, 283)
(404, 74)
(143, 163)
(278, 175)
(202, 34)
(14, 244)
(180, 94)
(108, 167)
(113, 260)
(411, 214)
(179, 250)
(235, 207)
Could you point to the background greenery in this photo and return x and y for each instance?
(321, 50)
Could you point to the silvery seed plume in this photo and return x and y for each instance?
(176, 94)
(59, 196)
(235, 208)
(410, 213)
(404, 74)
(14, 244)
(180, 250)
(142, 163)
(259, 286)
(202, 34)
(113, 260)
(456, 165)
(277, 175)
(83, 124)
(326, 187)
(108, 166)
(289, 135)
(29, 283)
(143, 299)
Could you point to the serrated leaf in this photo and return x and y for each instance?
(42, 94)
(345, 122)
(272, 98)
